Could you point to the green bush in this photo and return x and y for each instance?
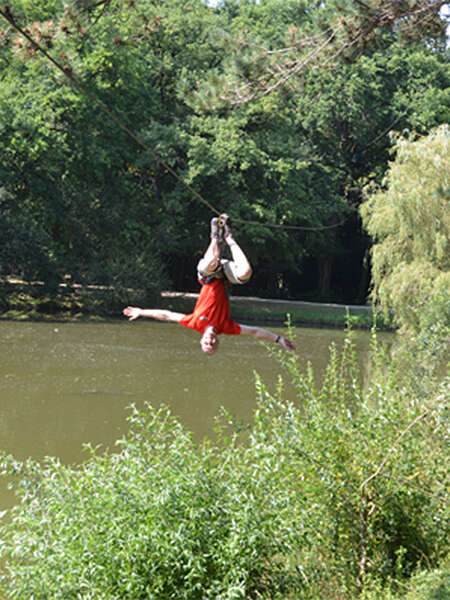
(424, 585)
(162, 518)
(314, 499)
(25, 249)
(372, 461)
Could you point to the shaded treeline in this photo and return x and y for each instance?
(78, 196)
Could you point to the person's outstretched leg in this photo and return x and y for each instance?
(239, 269)
(240, 265)
(211, 259)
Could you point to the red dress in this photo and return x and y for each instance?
(212, 308)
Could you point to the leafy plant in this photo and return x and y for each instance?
(409, 223)
(329, 496)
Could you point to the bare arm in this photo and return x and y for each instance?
(133, 312)
(263, 334)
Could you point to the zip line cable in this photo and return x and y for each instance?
(67, 71)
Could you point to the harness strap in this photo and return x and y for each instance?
(209, 279)
(218, 274)
(213, 278)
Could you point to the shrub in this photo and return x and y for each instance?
(372, 467)
(162, 518)
(424, 585)
(314, 499)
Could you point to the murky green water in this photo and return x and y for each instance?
(62, 385)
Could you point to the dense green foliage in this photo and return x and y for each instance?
(320, 35)
(409, 220)
(340, 494)
(79, 197)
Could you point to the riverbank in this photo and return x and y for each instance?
(267, 310)
(22, 301)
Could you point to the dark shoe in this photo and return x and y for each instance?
(226, 221)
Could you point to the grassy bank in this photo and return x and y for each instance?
(263, 310)
(21, 301)
(31, 301)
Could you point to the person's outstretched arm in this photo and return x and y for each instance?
(263, 334)
(133, 312)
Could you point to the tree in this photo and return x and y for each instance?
(341, 111)
(81, 169)
(320, 37)
(347, 129)
(106, 208)
(408, 219)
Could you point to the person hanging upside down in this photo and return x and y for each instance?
(211, 315)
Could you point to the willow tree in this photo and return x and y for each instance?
(409, 220)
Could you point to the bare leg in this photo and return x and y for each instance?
(210, 260)
(242, 268)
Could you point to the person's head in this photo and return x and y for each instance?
(209, 341)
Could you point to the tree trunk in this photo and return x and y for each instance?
(364, 281)
(324, 264)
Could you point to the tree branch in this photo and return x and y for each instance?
(392, 448)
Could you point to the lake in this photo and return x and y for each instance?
(65, 384)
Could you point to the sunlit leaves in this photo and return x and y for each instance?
(333, 32)
(409, 221)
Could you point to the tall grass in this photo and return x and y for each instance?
(339, 494)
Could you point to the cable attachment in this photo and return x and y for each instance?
(225, 221)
